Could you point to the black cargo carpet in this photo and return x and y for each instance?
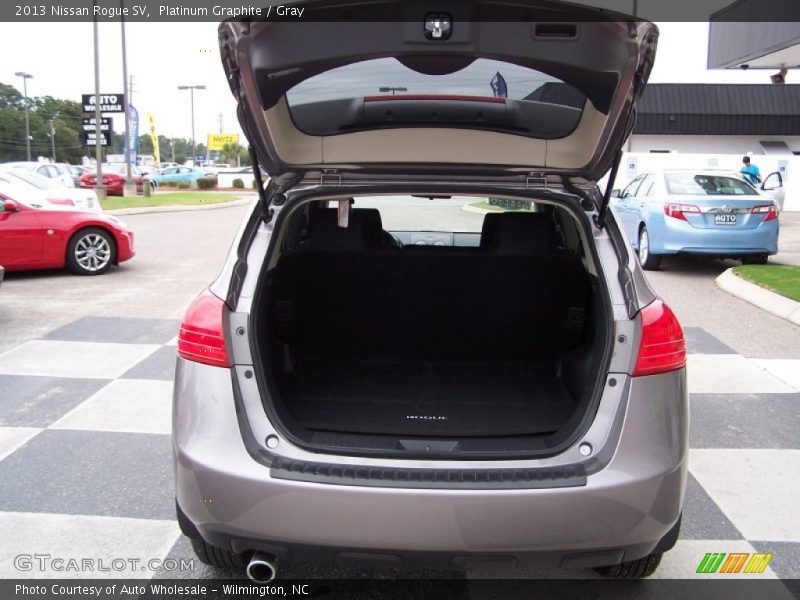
(423, 399)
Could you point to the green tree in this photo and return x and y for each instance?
(65, 116)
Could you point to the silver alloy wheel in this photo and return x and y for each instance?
(92, 252)
(644, 246)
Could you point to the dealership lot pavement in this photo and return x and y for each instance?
(85, 383)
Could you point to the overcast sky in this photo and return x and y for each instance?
(162, 56)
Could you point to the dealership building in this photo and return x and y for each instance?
(718, 119)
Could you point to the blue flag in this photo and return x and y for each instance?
(499, 86)
(133, 133)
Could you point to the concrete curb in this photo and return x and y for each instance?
(778, 305)
(480, 211)
(169, 209)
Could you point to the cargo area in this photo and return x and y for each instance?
(365, 341)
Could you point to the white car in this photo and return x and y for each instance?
(42, 190)
(57, 171)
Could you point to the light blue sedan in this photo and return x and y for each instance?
(688, 212)
(177, 175)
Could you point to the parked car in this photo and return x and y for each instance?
(56, 171)
(773, 187)
(38, 189)
(77, 172)
(146, 170)
(697, 212)
(114, 175)
(515, 394)
(51, 236)
(178, 175)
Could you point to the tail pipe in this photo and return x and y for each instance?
(262, 567)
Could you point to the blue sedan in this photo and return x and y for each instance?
(710, 214)
(177, 175)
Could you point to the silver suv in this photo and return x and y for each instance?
(430, 344)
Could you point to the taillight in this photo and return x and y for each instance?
(662, 347)
(770, 211)
(201, 338)
(676, 211)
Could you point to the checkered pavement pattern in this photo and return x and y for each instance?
(85, 458)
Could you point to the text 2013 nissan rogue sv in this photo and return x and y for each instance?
(380, 374)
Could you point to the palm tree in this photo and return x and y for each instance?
(231, 153)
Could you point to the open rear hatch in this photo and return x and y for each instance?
(543, 86)
(483, 352)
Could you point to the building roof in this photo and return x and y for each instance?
(557, 92)
(719, 109)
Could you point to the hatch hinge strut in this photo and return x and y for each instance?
(263, 196)
(600, 218)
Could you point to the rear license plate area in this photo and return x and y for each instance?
(725, 219)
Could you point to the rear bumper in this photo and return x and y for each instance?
(112, 189)
(673, 236)
(622, 513)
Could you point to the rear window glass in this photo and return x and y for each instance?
(454, 214)
(710, 185)
(486, 94)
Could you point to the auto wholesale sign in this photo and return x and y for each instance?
(89, 124)
(109, 103)
(89, 127)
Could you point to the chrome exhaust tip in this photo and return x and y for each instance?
(262, 568)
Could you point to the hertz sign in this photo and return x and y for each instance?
(217, 140)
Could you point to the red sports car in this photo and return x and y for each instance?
(51, 236)
(113, 178)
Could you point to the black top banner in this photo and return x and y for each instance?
(179, 11)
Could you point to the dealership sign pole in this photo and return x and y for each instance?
(98, 149)
(126, 98)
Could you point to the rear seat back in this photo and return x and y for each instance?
(378, 304)
(364, 230)
(517, 233)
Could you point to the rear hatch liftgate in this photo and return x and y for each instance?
(389, 86)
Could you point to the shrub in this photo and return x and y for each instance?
(183, 185)
(207, 183)
(238, 183)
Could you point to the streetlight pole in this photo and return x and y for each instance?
(25, 77)
(384, 89)
(191, 89)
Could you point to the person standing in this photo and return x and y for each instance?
(750, 171)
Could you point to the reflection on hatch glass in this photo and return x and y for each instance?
(709, 185)
(483, 94)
